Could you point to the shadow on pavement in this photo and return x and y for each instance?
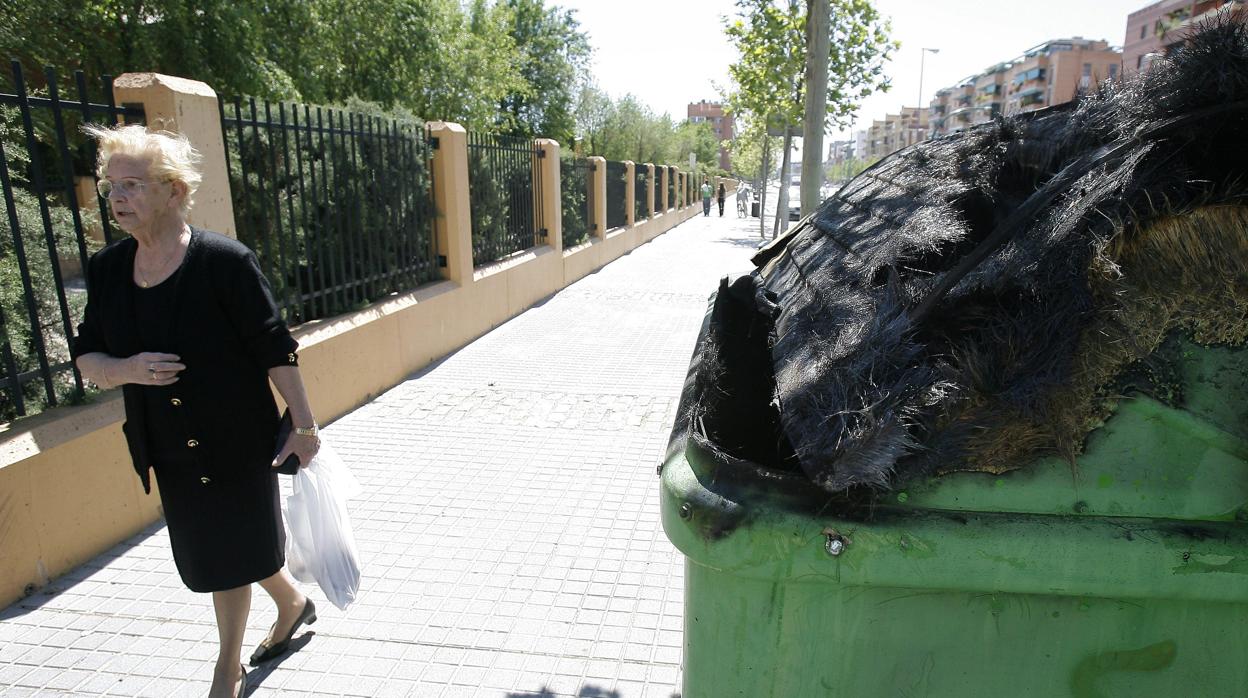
(36, 598)
(257, 675)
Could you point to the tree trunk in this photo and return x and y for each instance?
(763, 177)
(782, 201)
(816, 106)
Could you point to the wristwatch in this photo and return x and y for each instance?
(307, 431)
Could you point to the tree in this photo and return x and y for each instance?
(553, 56)
(769, 76)
(593, 110)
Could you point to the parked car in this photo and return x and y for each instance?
(795, 202)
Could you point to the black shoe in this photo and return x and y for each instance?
(265, 652)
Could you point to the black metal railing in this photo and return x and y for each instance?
(641, 205)
(617, 194)
(53, 221)
(671, 187)
(337, 205)
(576, 184)
(504, 190)
(659, 174)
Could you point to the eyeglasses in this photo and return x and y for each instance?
(125, 188)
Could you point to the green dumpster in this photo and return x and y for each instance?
(1128, 577)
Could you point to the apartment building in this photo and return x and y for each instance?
(840, 151)
(1048, 74)
(713, 112)
(1155, 29)
(896, 131)
(1056, 71)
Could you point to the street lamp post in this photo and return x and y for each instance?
(922, 56)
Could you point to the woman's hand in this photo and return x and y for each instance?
(147, 368)
(302, 447)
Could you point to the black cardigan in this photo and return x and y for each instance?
(226, 329)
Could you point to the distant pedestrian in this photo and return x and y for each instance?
(719, 197)
(743, 201)
(707, 190)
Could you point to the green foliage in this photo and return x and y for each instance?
(845, 170)
(510, 64)
(574, 181)
(48, 325)
(553, 58)
(771, 39)
(626, 129)
(500, 188)
(746, 149)
(319, 209)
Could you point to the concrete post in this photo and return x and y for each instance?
(650, 188)
(598, 196)
(188, 107)
(453, 222)
(551, 189)
(630, 193)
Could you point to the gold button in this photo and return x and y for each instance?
(175, 402)
(205, 480)
(291, 357)
(192, 443)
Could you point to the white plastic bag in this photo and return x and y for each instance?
(320, 546)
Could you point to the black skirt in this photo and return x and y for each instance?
(226, 533)
(226, 530)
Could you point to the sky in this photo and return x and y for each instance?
(672, 52)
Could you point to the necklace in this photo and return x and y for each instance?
(143, 280)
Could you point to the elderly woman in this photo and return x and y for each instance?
(183, 320)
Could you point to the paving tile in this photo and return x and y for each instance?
(508, 523)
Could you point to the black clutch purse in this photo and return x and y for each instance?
(290, 466)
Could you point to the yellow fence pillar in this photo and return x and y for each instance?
(598, 196)
(450, 198)
(630, 193)
(551, 191)
(188, 107)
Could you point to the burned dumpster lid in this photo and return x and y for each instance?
(970, 303)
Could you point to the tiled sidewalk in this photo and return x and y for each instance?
(509, 521)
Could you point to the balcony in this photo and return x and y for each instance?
(1028, 76)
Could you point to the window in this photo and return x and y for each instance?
(1033, 74)
(1087, 70)
(1113, 71)
(1143, 29)
(1139, 62)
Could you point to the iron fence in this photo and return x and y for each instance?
(617, 194)
(576, 185)
(659, 174)
(337, 205)
(504, 190)
(671, 187)
(53, 224)
(641, 207)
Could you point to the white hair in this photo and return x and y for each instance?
(170, 156)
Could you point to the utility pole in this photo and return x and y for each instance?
(922, 55)
(816, 102)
